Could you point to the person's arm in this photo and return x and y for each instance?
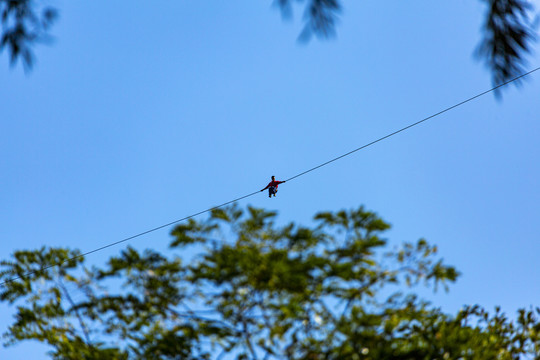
(266, 187)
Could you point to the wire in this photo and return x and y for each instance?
(289, 179)
(414, 124)
(128, 238)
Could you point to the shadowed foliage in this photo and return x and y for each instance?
(508, 36)
(320, 17)
(239, 286)
(508, 32)
(507, 40)
(23, 23)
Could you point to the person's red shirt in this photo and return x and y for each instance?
(274, 183)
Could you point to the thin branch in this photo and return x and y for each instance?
(77, 314)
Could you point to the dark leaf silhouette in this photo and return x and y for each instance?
(508, 37)
(23, 24)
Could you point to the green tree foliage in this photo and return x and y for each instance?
(239, 286)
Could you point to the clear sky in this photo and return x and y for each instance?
(143, 112)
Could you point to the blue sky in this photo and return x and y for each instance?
(139, 115)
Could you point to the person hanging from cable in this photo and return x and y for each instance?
(272, 186)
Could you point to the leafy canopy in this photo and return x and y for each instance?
(237, 285)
